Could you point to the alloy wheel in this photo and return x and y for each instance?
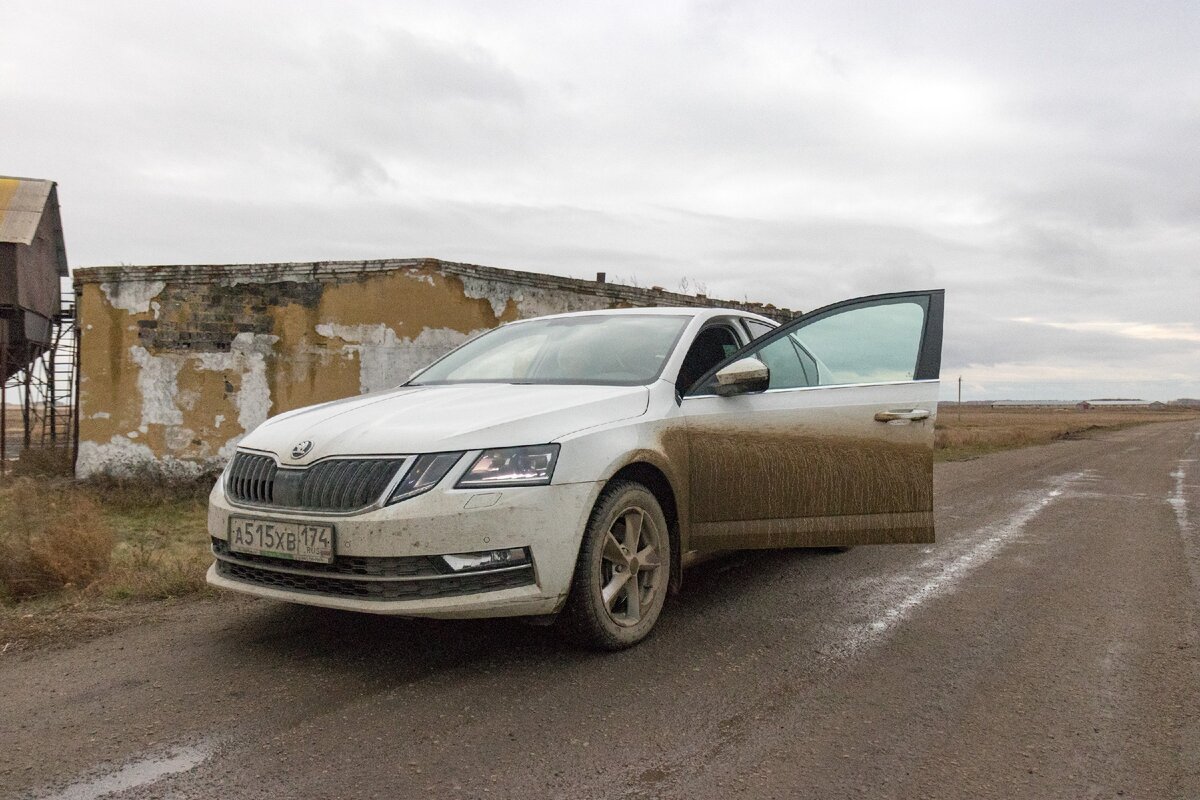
(630, 566)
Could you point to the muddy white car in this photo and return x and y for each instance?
(565, 465)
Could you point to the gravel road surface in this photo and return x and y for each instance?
(1046, 646)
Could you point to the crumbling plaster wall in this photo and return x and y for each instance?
(179, 363)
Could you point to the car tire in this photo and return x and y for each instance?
(623, 571)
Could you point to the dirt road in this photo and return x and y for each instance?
(1047, 646)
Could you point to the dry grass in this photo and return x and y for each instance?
(972, 431)
(128, 540)
(49, 542)
(42, 462)
(162, 545)
(80, 560)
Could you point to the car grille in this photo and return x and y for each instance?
(311, 581)
(336, 484)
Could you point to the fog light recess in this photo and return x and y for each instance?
(488, 559)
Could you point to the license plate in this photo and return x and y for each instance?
(299, 541)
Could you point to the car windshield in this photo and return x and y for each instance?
(615, 349)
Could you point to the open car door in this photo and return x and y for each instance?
(833, 445)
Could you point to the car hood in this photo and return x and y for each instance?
(424, 419)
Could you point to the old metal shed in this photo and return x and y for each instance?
(32, 259)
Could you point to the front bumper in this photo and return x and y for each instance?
(384, 556)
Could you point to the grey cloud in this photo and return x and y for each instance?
(1035, 160)
(1000, 341)
(401, 66)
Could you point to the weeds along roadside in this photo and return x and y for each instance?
(134, 538)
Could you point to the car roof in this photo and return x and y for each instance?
(702, 313)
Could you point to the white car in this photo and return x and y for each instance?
(564, 465)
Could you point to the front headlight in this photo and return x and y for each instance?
(423, 475)
(511, 466)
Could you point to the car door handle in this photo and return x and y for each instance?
(909, 414)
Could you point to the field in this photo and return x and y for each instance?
(79, 557)
(971, 431)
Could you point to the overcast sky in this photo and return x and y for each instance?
(1039, 161)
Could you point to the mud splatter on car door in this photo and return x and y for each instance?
(839, 448)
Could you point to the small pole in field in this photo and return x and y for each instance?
(960, 396)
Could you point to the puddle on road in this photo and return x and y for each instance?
(142, 772)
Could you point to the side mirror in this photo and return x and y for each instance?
(743, 376)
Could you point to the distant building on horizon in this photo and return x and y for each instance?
(1030, 403)
(1117, 401)
(1080, 405)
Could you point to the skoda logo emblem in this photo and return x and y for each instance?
(301, 450)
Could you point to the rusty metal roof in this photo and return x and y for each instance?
(23, 201)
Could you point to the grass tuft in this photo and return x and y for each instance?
(141, 494)
(143, 569)
(134, 539)
(43, 462)
(162, 545)
(49, 541)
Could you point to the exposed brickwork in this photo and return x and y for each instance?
(206, 317)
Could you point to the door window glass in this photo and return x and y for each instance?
(876, 341)
(787, 364)
(865, 344)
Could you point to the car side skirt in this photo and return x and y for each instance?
(914, 527)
